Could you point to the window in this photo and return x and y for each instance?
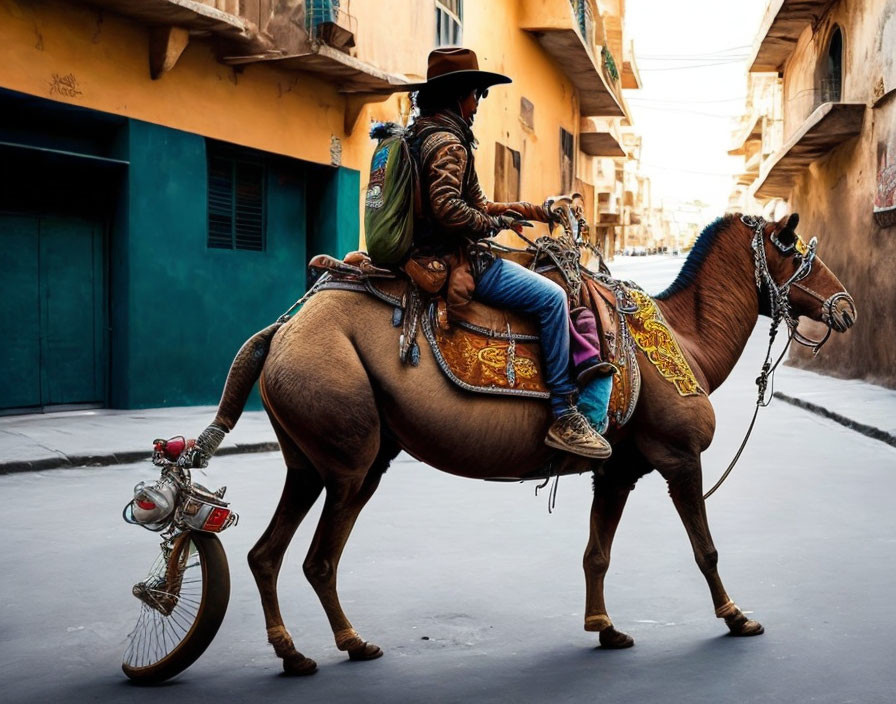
(449, 22)
(566, 161)
(236, 201)
(527, 113)
(832, 70)
(507, 174)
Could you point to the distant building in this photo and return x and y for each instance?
(756, 137)
(170, 166)
(833, 158)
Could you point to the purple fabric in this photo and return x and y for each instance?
(584, 342)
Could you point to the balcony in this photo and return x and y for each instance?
(600, 137)
(327, 23)
(193, 15)
(781, 27)
(607, 209)
(310, 37)
(631, 78)
(350, 74)
(553, 25)
(751, 170)
(827, 127)
(749, 129)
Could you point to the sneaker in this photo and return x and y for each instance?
(572, 432)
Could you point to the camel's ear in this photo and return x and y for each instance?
(785, 239)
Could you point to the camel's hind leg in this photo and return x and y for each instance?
(686, 490)
(344, 502)
(303, 486)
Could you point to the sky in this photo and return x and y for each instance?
(692, 56)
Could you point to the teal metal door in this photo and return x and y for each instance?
(52, 312)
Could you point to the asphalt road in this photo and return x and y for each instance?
(476, 593)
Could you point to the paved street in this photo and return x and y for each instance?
(476, 593)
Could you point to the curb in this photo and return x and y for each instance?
(76, 461)
(867, 430)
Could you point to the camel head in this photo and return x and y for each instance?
(812, 290)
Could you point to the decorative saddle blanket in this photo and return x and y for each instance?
(496, 352)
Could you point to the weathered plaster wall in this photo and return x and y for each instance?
(835, 195)
(834, 200)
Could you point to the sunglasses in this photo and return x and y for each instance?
(481, 93)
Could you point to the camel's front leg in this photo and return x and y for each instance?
(606, 510)
(686, 491)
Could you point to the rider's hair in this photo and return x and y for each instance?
(433, 100)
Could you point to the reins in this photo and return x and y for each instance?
(779, 309)
(762, 381)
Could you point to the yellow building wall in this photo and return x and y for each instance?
(74, 54)
(397, 36)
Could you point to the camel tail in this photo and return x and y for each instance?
(243, 374)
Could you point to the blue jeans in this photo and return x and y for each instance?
(506, 284)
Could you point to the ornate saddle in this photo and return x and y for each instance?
(491, 351)
(484, 349)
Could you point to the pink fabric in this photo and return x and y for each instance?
(584, 343)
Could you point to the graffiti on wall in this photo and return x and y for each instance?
(885, 198)
(66, 86)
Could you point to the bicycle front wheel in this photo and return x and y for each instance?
(183, 602)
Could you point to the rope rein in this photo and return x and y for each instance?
(780, 311)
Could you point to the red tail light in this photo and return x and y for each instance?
(216, 519)
(145, 505)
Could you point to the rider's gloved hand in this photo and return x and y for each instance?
(510, 220)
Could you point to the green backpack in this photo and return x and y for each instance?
(391, 195)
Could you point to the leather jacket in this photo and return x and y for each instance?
(455, 211)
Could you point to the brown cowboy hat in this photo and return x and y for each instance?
(456, 66)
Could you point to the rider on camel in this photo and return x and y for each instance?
(456, 214)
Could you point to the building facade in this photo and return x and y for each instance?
(170, 166)
(827, 149)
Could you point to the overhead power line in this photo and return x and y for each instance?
(705, 54)
(684, 101)
(720, 174)
(686, 68)
(678, 111)
(720, 57)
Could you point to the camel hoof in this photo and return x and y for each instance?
(748, 627)
(368, 651)
(299, 666)
(611, 639)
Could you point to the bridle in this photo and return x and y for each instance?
(780, 308)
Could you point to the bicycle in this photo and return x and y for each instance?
(184, 597)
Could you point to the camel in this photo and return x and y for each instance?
(343, 406)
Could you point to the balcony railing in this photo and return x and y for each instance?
(829, 91)
(553, 23)
(327, 22)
